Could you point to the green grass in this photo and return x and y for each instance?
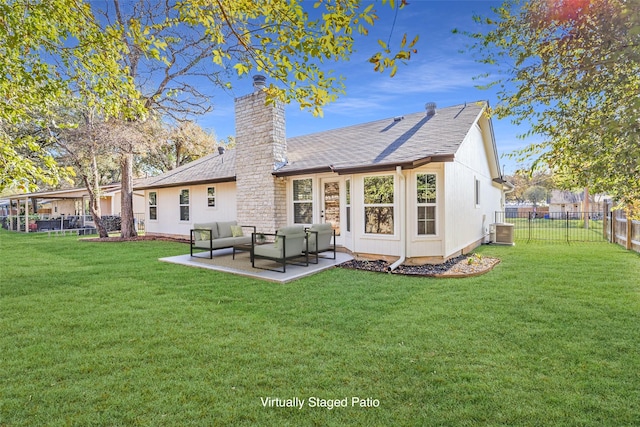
(104, 334)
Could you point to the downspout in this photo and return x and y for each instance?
(403, 220)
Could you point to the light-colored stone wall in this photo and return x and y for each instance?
(260, 148)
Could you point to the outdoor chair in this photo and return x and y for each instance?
(289, 243)
(322, 238)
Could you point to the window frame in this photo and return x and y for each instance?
(153, 207)
(303, 201)
(208, 197)
(383, 205)
(427, 204)
(181, 205)
(347, 205)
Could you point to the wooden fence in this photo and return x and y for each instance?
(621, 230)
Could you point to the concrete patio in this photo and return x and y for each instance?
(241, 265)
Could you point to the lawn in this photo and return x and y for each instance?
(104, 334)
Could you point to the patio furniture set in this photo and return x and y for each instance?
(292, 244)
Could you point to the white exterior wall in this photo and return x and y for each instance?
(112, 204)
(459, 222)
(465, 222)
(168, 199)
(425, 245)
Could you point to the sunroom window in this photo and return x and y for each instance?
(426, 203)
(378, 204)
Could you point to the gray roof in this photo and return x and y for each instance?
(208, 169)
(565, 197)
(408, 141)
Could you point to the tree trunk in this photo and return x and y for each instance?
(93, 188)
(127, 225)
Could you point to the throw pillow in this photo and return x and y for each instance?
(236, 231)
(203, 234)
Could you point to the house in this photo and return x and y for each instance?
(68, 203)
(573, 204)
(422, 187)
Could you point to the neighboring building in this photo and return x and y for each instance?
(574, 203)
(424, 186)
(73, 202)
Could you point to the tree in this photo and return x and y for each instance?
(524, 180)
(169, 42)
(157, 56)
(180, 144)
(80, 147)
(536, 194)
(571, 68)
(42, 58)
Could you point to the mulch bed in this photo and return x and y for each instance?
(461, 266)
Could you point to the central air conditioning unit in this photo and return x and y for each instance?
(502, 234)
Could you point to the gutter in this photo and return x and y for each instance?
(510, 187)
(403, 223)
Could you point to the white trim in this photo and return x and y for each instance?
(215, 197)
(293, 202)
(149, 205)
(417, 205)
(180, 205)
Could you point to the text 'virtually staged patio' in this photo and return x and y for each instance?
(97, 333)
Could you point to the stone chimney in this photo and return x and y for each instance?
(261, 148)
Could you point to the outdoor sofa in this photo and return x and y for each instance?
(288, 243)
(210, 236)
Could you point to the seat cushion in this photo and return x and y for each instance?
(224, 228)
(325, 232)
(292, 229)
(321, 227)
(269, 251)
(227, 242)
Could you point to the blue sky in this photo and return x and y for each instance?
(438, 73)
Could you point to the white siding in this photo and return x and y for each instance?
(466, 222)
(168, 221)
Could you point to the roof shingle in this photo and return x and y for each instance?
(411, 140)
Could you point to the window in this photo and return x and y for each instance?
(477, 192)
(211, 197)
(348, 206)
(426, 203)
(153, 205)
(378, 204)
(303, 201)
(184, 205)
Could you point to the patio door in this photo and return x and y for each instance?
(331, 203)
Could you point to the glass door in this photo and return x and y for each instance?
(331, 204)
